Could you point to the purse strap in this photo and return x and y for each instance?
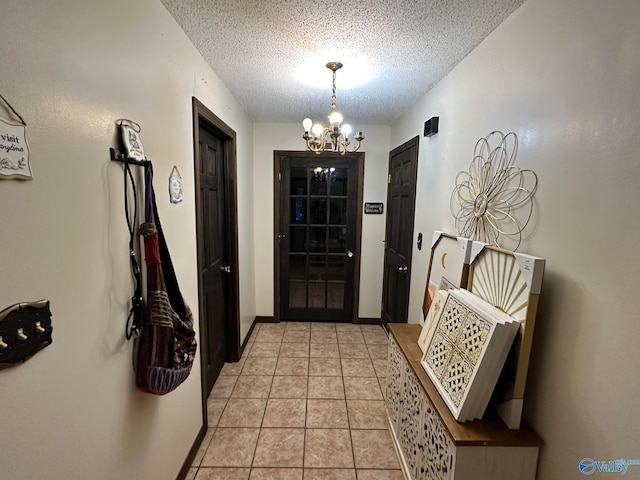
(134, 319)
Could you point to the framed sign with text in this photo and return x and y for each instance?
(14, 151)
(373, 208)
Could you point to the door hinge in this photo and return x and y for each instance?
(389, 181)
(279, 176)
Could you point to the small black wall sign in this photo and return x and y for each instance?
(376, 208)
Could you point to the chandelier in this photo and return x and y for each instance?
(332, 138)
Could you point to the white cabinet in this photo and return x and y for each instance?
(431, 443)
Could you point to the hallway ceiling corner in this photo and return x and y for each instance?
(271, 54)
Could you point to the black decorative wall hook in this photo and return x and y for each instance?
(118, 156)
(25, 329)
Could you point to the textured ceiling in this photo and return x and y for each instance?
(271, 54)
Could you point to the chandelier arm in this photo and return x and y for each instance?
(354, 148)
(315, 144)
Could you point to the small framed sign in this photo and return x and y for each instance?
(175, 186)
(130, 135)
(373, 208)
(14, 151)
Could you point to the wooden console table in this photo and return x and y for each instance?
(431, 443)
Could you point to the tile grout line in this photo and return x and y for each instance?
(306, 410)
(253, 457)
(306, 403)
(353, 453)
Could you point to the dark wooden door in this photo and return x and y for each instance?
(401, 193)
(213, 266)
(320, 203)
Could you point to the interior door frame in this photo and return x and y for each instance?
(277, 155)
(203, 116)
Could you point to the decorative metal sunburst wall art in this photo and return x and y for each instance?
(485, 199)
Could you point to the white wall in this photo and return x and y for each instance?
(563, 76)
(71, 69)
(280, 136)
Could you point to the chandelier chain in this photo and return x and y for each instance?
(333, 95)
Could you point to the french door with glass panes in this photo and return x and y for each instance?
(318, 235)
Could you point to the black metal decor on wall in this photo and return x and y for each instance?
(25, 329)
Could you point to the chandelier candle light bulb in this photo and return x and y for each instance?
(335, 118)
(332, 138)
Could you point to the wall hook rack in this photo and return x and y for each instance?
(118, 156)
(25, 329)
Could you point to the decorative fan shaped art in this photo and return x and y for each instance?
(498, 279)
(485, 199)
(511, 282)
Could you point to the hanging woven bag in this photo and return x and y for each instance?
(166, 346)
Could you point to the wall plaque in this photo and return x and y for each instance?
(14, 152)
(375, 208)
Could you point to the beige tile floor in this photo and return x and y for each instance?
(304, 402)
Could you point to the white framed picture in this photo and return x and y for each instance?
(466, 351)
(448, 265)
(431, 320)
(512, 282)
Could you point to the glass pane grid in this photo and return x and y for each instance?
(317, 254)
(297, 295)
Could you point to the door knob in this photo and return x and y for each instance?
(349, 253)
(225, 268)
(403, 269)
